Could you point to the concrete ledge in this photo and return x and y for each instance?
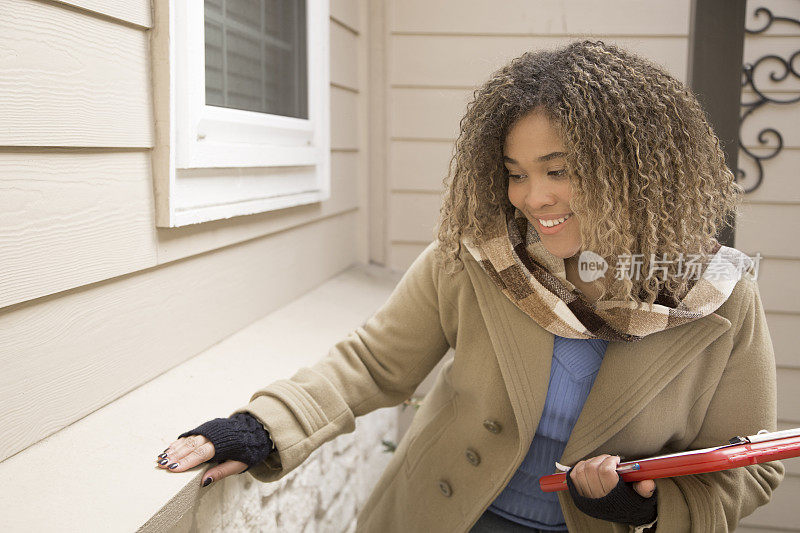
(99, 473)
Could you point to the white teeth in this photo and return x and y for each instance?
(551, 223)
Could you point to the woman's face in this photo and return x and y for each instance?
(538, 184)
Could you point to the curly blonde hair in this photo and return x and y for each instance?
(647, 172)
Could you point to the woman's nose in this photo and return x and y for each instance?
(539, 196)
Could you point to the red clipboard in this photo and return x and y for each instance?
(741, 451)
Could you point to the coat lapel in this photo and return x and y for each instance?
(631, 374)
(524, 352)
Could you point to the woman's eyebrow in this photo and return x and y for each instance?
(548, 157)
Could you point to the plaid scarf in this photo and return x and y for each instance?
(535, 281)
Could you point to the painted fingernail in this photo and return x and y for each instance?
(163, 455)
(162, 462)
(206, 481)
(166, 449)
(173, 465)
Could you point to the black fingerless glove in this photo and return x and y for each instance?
(623, 504)
(240, 437)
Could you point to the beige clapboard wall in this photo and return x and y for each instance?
(769, 225)
(94, 300)
(438, 52)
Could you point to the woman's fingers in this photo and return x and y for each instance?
(223, 470)
(607, 474)
(170, 452)
(578, 476)
(186, 453)
(573, 474)
(596, 477)
(594, 485)
(645, 488)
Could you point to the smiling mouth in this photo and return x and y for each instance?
(553, 222)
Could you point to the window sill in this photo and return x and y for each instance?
(100, 472)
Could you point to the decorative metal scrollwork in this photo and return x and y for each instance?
(784, 67)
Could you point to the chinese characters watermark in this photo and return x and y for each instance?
(592, 266)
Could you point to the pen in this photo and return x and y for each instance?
(632, 467)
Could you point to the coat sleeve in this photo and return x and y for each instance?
(379, 364)
(745, 397)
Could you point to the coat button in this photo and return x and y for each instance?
(492, 426)
(444, 486)
(473, 457)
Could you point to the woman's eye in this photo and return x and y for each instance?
(519, 177)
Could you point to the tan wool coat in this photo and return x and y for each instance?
(687, 387)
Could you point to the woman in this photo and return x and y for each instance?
(593, 315)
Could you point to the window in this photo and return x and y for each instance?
(256, 56)
(247, 128)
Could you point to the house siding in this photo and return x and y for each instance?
(91, 291)
(767, 225)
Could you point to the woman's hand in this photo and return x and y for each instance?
(595, 477)
(188, 452)
(598, 491)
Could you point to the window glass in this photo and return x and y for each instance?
(256, 56)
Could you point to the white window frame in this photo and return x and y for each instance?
(228, 162)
